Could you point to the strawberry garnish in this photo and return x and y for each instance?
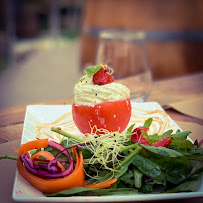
(138, 137)
(102, 77)
(164, 142)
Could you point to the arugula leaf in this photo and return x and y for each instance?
(181, 142)
(129, 131)
(93, 69)
(167, 133)
(155, 137)
(32, 152)
(182, 134)
(148, 122)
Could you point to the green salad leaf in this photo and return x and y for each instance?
(128, 178)
(142, 168)
(181, 142)
(137, 178)
(148, 122)
(149, 168)
(182, 133)
(190, 185)
(81, 191)
(163, 151)
(93, 69)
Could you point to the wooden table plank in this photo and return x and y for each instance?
(11, 132)
(177, 89)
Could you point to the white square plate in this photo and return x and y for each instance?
(39, 119)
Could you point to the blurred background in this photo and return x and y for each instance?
(46, 44)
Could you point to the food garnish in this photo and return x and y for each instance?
(101, 102)
(111, 160)
(111, 163)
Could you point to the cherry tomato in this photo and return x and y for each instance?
(113, 116)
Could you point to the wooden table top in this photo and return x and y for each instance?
(164, 92)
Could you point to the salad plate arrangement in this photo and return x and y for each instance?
(105, 147)
(152, 159)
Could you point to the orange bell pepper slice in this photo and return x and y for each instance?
(49, 186)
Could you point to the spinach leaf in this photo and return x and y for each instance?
(173, 165)
(128, 178)
(149, 168)
(196, 167)
(93, 69)
(162, 151)
(121, 191)
(122, 171)
(175, 169)
(196, 151)
(191, 185)
(81, 191)
(137, 178)
(190, 153)
(147, 187)
(121, 184)
(86, 152)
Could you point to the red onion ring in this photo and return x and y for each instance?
(51, 170)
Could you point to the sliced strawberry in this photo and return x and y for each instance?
(102, 77)
(164, 142)
(138, 137)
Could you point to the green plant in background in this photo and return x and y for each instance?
(2, 65)
(70, 33)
